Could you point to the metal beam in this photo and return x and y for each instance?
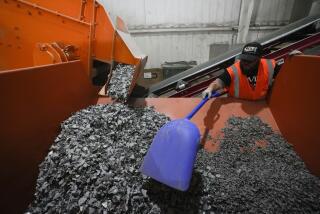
(134, 31)
(170, 83)
(244, 20)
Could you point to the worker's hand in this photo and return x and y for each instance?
(207, 93)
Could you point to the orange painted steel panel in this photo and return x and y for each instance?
(21, 158)
(24, 24)
(295, 105)
(104, 31)
(34, 101)
(100, 31)
(212, 117)
(120, 50)
(70, 8)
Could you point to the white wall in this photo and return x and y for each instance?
(174, 12)
(178, 47)
(174, 30)
(272, 12)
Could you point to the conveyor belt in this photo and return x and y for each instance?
(204, 73)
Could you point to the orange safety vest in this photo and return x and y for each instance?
(240, 86)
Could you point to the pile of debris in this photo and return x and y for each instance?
(93, 167)
(245, 177)
(120, 82)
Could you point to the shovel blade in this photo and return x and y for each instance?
(172, 154)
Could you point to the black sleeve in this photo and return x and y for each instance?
(276, 70)
(225, 78)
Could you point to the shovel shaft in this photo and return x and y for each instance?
(203, 101)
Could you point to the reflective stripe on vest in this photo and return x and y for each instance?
(236, 80)
(236, 77)
(270, 71)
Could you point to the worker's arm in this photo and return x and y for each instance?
(217, 84)
(221, 82)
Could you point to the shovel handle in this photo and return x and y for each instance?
(203, 101)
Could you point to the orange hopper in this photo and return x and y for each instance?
(55, 56)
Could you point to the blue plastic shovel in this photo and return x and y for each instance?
(173, 151)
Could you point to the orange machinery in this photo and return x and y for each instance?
(39, 32)
(49, 52)
(55, 56)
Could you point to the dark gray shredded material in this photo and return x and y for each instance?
(93, 167)
(249, 179)
(120, 82)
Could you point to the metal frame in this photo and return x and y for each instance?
(204, 73)
(279, 55)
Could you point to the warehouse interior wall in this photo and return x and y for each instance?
(186, 30)
(300, 9)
